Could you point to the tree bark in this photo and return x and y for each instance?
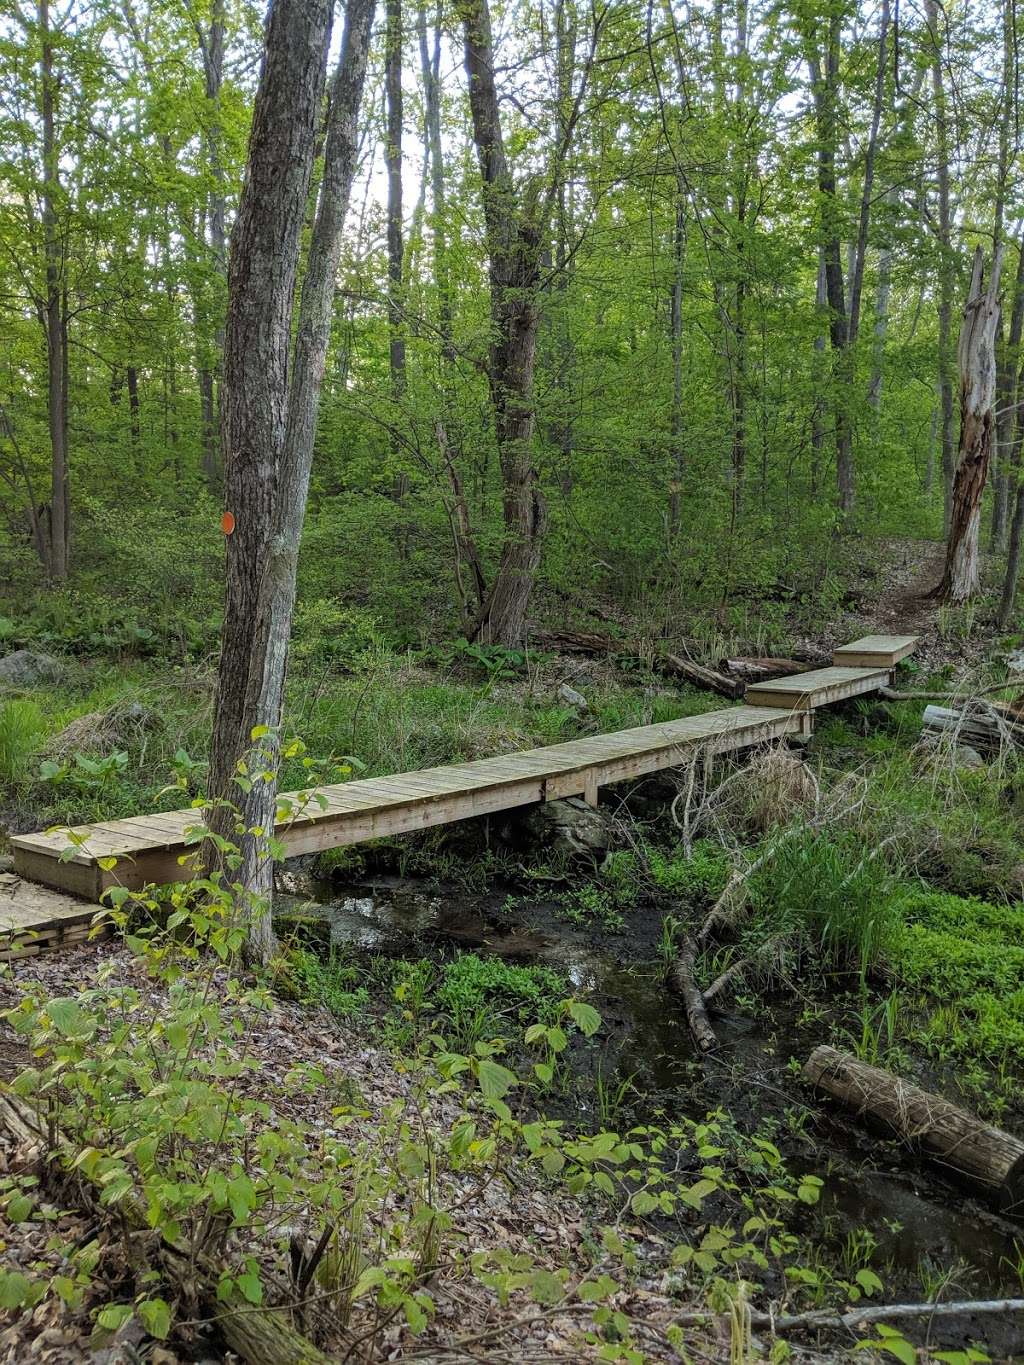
(826, 95)
(988, 1158)
(977, 362)
(514, 237)
(261, 283)
(54, 317)
(678, 445)
(946, 261)
(276, 569)
(393, 163)
(211, 46)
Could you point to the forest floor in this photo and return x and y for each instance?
(488, 931)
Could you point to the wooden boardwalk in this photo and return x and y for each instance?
(164, 847)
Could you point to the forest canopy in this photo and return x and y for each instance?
(739, 233)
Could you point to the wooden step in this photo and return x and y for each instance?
(875, 651)
(822, 687)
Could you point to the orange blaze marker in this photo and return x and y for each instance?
(227, 523)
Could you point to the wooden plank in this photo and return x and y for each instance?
(875, 651)
(821, 687)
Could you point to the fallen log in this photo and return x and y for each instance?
(705, 678)
(990, 1160)
(979, 725)
(858, 1317)
(753, 670)
(682, 980)
(580, 642)
(258, 1336)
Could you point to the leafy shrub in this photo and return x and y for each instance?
(325, 631)
(334, 982)
(22, 729)
(478, 993)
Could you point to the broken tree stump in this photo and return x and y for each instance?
(990, 1160)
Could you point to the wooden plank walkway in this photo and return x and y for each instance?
(164, 847)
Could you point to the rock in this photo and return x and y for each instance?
(569, 826)
(963, 755)
(572, 698)
(967, 757)
(26, 667)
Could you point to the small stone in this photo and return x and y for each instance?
(572, 697)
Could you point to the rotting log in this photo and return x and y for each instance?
(979, 724)
(761, 669)
(990, 1160)
(580, 642)
(682, 979)
(708, 679)
(258, 1336)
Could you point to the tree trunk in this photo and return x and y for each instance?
(826, 94)
(261, 283)
(55, 318)
(977, 361)
(393, 163)
(298, 68)
(514, 236)
(946, 261)
(211, 46)
(1008, 447)
(678, 447)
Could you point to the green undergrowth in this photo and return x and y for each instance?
(964, 960)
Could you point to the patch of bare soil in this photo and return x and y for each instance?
(906, 573)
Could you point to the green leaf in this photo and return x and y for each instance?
(495, 1080)
(585, 1017)
(546, 1287)
(251, 1287)
(19, 1207)
(868, 1281)
(114, 1316)
(69, 1019)
(155, 1316)
(15, 1288)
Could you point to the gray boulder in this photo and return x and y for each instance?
(26, 667)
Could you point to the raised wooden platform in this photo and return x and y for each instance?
(149, 848)
(822, 687)
(165, 847)
(875, 651)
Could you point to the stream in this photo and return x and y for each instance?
(920, 1224)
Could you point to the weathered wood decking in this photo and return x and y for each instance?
(164, 847)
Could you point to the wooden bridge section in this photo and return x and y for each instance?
(164, 847)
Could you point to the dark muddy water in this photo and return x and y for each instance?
(921, 1225)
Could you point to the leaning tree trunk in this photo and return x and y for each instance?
(261, 284)
(268, 647)
(976, 356)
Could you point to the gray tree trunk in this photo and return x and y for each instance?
(514, 239)
(976, 355)
(54, 317)
(262, 272)
(947, 264)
